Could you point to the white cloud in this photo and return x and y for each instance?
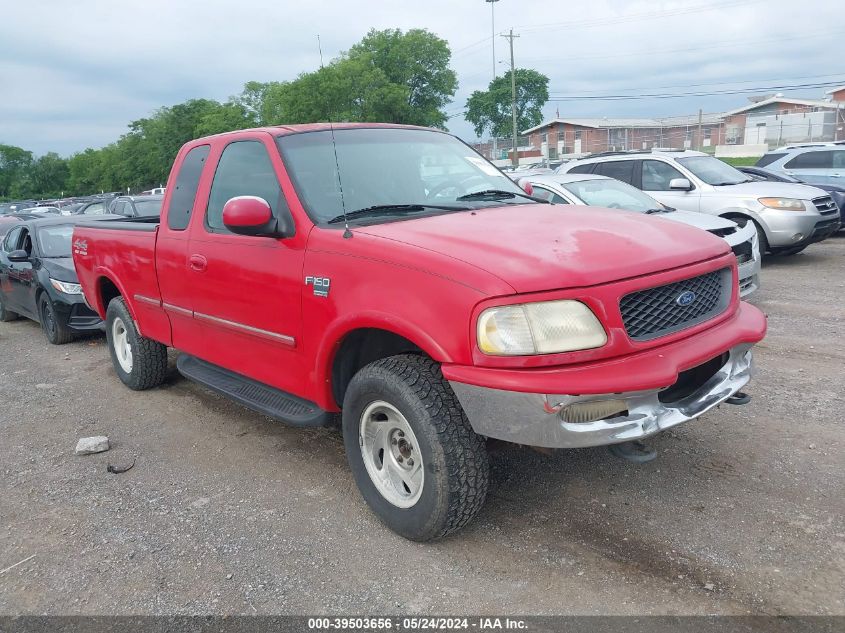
(73, 74)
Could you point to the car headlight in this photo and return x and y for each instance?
(66, 287)
(546, 327)
(784, 204)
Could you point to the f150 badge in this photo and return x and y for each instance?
(321, 285)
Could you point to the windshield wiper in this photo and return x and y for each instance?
(725, 184)
(657, 210)
(391, 209)
(497, 194)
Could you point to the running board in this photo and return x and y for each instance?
(257, 396)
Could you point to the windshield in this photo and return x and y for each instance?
(55, 240)
(148, 208)
(386, 167)
(613, 194)
(713, 171)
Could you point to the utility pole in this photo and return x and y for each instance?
(493, 39)
(700, 142)
(515, 159)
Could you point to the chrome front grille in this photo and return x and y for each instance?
(825, 205)
(659, 311)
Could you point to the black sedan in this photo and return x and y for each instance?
(837, 192)
(38, 280)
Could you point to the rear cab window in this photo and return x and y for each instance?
(185, 191)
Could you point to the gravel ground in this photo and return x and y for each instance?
(229, 512)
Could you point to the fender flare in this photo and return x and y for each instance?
(339, 329)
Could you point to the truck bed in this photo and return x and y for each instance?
(118, 257)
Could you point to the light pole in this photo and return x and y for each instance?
(493, 38)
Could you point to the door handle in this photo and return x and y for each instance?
(197, 263)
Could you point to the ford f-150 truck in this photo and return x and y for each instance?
(391, 274)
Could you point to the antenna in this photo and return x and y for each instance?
(346, 233)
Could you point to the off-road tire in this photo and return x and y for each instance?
(6, 315)
(456, 465)
(57, 333)
(149, 357)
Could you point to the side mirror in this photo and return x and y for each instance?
(251, 215)
(680, 184)
(19, 255)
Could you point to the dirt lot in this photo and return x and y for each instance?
(226, 511)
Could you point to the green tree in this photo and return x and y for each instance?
(14, 164)
(490, 110)
(48, 175)
(418, 61)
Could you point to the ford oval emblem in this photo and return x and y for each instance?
(685, 298)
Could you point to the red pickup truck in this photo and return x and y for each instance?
(392, 274)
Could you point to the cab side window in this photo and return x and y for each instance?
(657, 175)
(585, 168)
(244, 170)
(95, 209)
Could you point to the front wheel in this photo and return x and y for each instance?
(56, 331)
(140, 362)
(414, 456)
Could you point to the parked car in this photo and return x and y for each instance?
(789, 217)
(837, 192)
(94, 207)
(601, 191)
(10, 208)
(136, 206)
(431, 318)
(155, 191)
(41, 210)
(38, 280)
(816, 163)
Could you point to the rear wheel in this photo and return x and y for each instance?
(140, 362)
(6, 315)
(56, 330)
(415, 458)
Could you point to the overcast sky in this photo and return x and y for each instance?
(74, 73)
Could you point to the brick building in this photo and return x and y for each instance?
(772, 120)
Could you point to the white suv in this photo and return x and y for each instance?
(789, 217)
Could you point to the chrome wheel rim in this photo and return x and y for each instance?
(391, 454)
(120, 342)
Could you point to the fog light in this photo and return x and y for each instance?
(797, 237)
(581, 412)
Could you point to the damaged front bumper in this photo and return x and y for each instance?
(577, 421)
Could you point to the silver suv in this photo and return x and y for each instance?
(789, 217)
(814, 163)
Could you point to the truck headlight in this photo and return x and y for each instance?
(546, 327)
(784, 204)
(66, 287)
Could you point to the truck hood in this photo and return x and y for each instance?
(536, 247)
(760, 189)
